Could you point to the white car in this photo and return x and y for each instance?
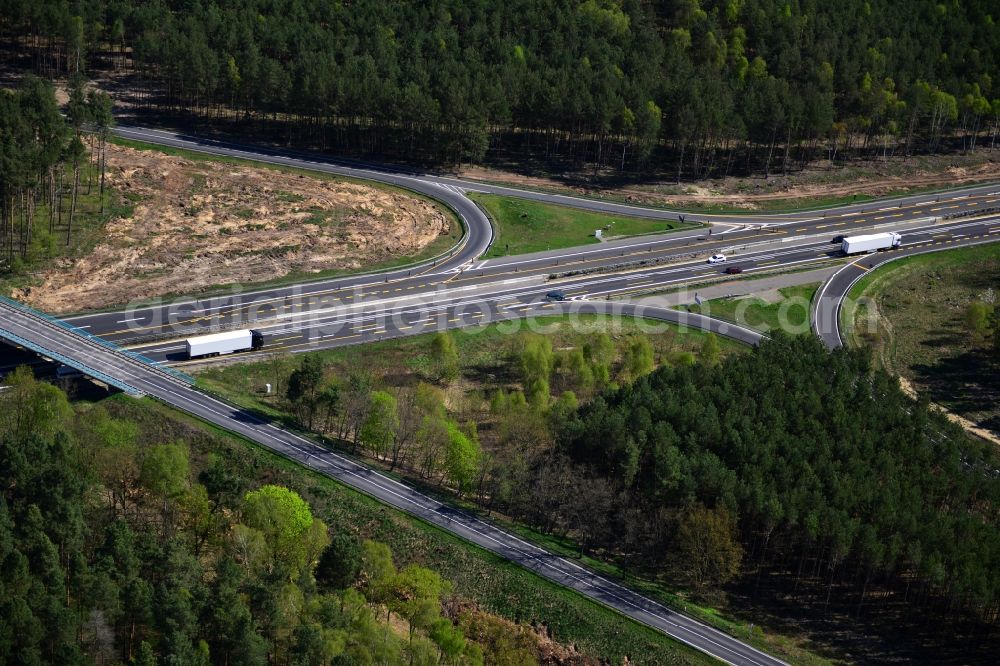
(717, 259)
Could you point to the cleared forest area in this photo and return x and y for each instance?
(193, 223)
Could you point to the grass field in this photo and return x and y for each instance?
(911, 315)
(496, 585)
(523, 225)
(790, 313)
(484, 357)
(483, 353)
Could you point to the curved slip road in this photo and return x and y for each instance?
(830, 298)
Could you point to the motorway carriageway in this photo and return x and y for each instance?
(331, 322)
(462, 267)
(144, 322)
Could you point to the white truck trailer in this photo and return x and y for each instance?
(870, 243)
(224, 343)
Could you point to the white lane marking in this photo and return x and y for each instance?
(309, 320)
(605, 249)
(544, 559)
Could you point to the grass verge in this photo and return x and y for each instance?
(495, 584)
(484, 354)
(524, 226)
(911, 314)
(789, 312)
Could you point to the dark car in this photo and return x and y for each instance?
(556, 295)
(733, 270)
(837, 240)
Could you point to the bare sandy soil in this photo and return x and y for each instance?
(969, 426)
(819, 181)
(201, 223)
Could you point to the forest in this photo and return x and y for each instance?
(702, 88)
(47, 163)
(115, 549)
(789, 468)
(830, 468)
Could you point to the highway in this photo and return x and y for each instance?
(392, 309)
(830, 300)
(459, 289)
(147, 379)
(449, 285)
(462, 270)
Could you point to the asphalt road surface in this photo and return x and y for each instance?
(461, 270)
(832, 294)
(391, 309)
(144, 379)
(460, 290)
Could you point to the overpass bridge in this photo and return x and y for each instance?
(76, 348)
(138, 376)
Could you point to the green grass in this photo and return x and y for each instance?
(911, 312)
(439, 247)
(484, 355)
(496, 585)
(523, 225)
(790, 313)
(87, 231)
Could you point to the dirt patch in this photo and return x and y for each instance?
(967, 425)
(819, 181)
(912, 317)
(765, 296)
(201, 223)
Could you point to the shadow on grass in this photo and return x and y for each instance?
(887, 630)
(967, 384)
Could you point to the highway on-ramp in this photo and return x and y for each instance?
(459, 289)
(830, 299)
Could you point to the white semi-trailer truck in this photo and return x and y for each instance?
(224, 343)
(870, 243)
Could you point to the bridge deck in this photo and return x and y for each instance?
(76, 348)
